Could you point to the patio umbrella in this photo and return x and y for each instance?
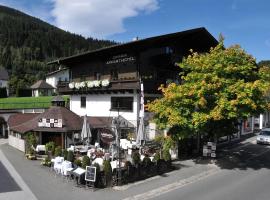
(86, 131)
(140, 133)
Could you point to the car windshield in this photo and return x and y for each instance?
(267, 133)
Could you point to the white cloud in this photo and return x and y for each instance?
(98, 18)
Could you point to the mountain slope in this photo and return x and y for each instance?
(27, 43)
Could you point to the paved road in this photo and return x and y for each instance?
(242, 173)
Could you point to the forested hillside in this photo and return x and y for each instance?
(27, 44)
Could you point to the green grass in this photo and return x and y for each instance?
(27, 102)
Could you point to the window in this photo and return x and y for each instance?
(122, 103)
(83, 102)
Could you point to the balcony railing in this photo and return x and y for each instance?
(113, 85)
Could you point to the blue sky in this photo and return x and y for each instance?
(244, 22)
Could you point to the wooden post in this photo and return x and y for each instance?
(62, 142)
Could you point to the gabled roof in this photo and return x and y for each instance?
(199, 36)
(23, 123)
(20, 118)
(41, 84)
(3, 74)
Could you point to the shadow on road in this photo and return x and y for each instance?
(242, 157)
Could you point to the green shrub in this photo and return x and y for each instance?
(70, 156)
(166, 155)
(107, 167)
(78, 162)
(46, 161)
(31, 143)
(157, 156)
(65, 153)
(107, 172)
(136, 158)
(58, 151)
(146, 161)
(85, 161)
(50, 146)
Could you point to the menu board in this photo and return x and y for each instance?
(50, 123)
(90, 174)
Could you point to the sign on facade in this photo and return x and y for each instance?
(50, 123)
(120, 59)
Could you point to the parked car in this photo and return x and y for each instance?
(264, 136)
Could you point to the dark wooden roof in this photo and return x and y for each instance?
(71, 121)
(56, 71)
(26, 122)
(20, 118)
(198, 37)
(105, 122)
(3, 74)
(41, 84)
(99, 122)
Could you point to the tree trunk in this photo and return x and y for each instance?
(198, 143)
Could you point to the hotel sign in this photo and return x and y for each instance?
(122, 58)
(50, 123)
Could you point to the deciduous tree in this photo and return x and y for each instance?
(218, 89)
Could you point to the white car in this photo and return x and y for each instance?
(264, 136)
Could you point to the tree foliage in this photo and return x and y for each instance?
(217, 89)
(27, 44)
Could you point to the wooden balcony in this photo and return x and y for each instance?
(114, 86)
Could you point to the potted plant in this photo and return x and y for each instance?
(107, 172)
(85, 161)
(70, 156)
(58, 151)
(50, 147)
(78, 162)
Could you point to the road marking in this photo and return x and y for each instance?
(173, 186)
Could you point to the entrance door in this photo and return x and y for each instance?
(52, 137)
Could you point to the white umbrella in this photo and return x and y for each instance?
(86, 131)
(140, 133)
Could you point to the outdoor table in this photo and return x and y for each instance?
(40, 148)
(78, 175)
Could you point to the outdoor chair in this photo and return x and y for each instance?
(57, 166)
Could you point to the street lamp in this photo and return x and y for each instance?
(117, 122)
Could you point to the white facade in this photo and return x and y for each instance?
(16, 142)
(61, 75)
(4, 84)
(42, 92)
(99, 105)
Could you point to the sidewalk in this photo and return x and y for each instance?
(17, 187)
(45, 186)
